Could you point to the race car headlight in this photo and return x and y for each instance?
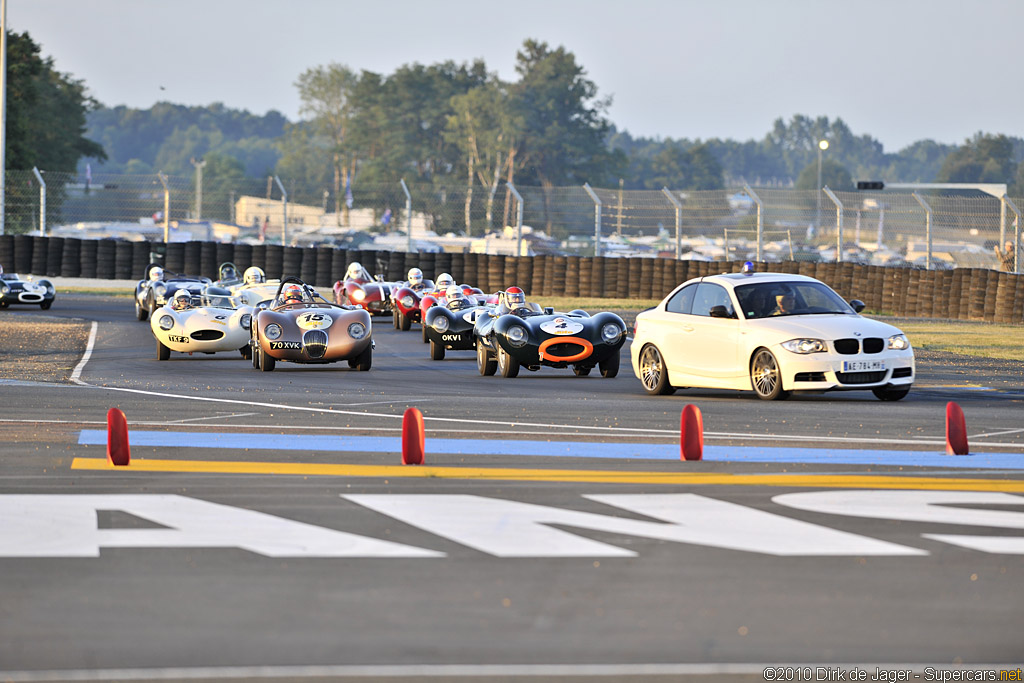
(357, 330)
(805, 346)
(899, 342)
(245, 321)
(440, 324)
(407, 301)
(610, 332)
(166, 322)
(50, 289)
(5, 289)
(359, 295)
(516, 335)
(272, 331)
(160, 289)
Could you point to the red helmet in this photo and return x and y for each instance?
(515, 297)
(292, 294)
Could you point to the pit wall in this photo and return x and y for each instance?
(962, 294)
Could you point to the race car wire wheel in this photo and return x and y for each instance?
(315, 343)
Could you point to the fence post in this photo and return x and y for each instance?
(597, 218)
(839, 222)
(42, 202)
(167, 206)
(408, 215)
(1006, 201)
(679, 225)
(284, 207)
(927, 230)
(519, 219)
(760, 219)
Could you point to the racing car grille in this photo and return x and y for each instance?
(873, 345)
(556, 351)
(847, 346)
(315, 343)
(206, 335)
(860, 377)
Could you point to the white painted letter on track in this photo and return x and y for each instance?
(505, 528)
(66, 526)
(924, 506)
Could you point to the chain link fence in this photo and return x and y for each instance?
(933, 231)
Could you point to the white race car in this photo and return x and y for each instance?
(209, 323)
(770, 332)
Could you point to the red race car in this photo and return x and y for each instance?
(406, 297)
(358, 288)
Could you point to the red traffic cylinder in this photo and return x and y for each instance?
(691, 433)
(118, 452)
(413, 439)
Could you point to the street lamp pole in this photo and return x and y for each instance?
(822, 146)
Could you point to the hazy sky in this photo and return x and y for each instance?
(898, 70)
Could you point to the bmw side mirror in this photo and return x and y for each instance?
(720, 312)
(549, 310)
(858, 305)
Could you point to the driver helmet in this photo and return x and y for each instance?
(455, 298)
(228, 272)
(443, 282)
(156, 274)
(292, 294)
(1, 270)
(356, 271)
(182, 300)
(415, 277)
(254, 275)
(515, 297)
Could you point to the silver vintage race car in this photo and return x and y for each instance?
(157, 286)
(300, 326)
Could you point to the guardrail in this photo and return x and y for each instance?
(962, 293)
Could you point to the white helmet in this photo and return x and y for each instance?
(455, 298)
(156, 274)
(254, 275)
(415, 276)
(182, 300)
(443, 282)
(356, 271)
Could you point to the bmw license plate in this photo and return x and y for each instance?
(862, 365)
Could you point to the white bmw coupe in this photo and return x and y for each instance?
(774, 333)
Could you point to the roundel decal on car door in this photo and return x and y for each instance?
(561, 326)
(313, 321)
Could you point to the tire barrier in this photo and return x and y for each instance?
(71, 265)
(174, 260)
(87, 259)
(40, 252)
(274, 262)
(106, 254)
(960, 294)
(7, 252)
(123, 260)
(22, 254)
(193, 257)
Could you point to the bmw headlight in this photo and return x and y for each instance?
(899, 342)
(440, 324)
(610, 332)
(407, 301)
(245, 321)
(357, 330)
(166, 322)
(805, 346)
(359, 294)
(272, 331)
(516, 335)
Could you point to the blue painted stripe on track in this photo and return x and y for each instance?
(574, 449)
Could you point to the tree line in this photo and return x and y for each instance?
(451, 124)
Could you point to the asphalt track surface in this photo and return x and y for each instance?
(266, 529)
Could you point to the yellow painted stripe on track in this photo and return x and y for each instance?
(866, 481)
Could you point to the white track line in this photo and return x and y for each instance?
(75, 376)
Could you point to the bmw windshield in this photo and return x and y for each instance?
(764, 300)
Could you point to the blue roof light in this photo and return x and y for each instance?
(748, 268)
